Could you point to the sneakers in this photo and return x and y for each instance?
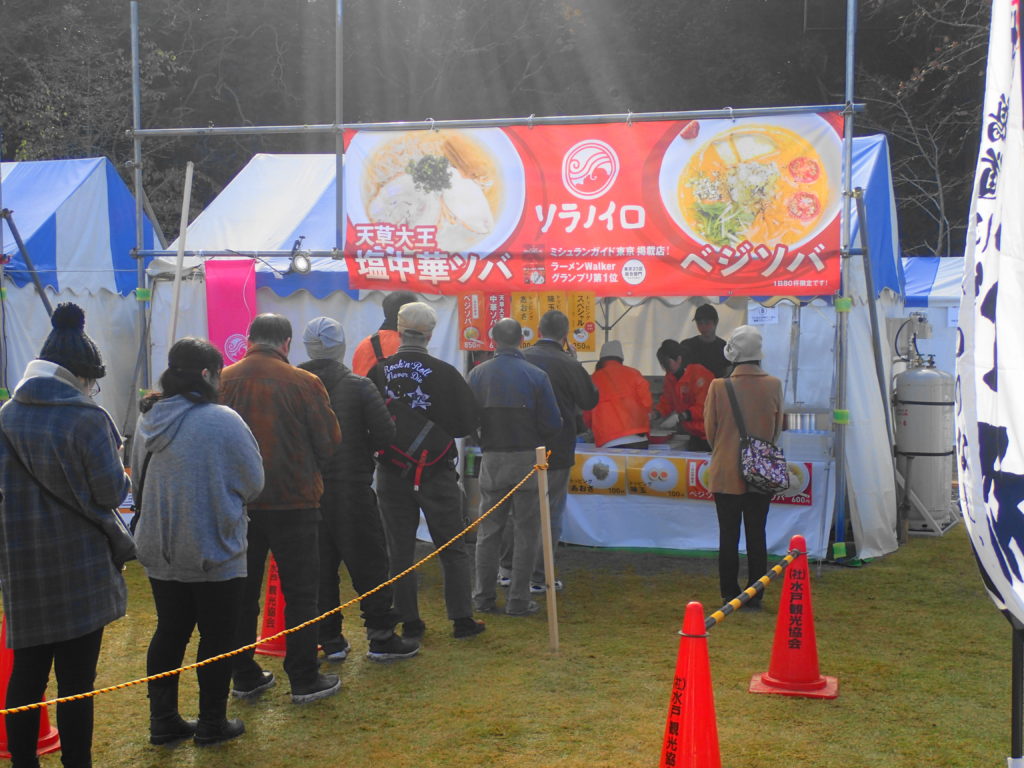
(322, 687)
(414, 629)
(336, 649)
(392, 649)
(244, 687)
(467, 626)
(504, 581)
(540, 589)
(531, 608)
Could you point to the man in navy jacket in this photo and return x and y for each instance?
(518, 413)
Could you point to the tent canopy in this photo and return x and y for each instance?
(275, 199)
(77, 220)
(932, 280)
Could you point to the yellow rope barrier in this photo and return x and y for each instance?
(282, 633)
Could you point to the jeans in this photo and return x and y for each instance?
(351, 532)
(74, 662)
(291, 535)
(499, 473)
(752, 510)
(180, 606)
(440, 498)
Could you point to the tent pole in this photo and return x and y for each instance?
(140, 289)
(9, 217)
(339, 134)
(840, 423)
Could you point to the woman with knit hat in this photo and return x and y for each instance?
(759, 396)
(61, 475)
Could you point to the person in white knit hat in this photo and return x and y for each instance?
(759, 396)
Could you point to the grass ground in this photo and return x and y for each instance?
(922, 657)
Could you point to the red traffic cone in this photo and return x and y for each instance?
(793, 670)
(691, 733)
(49, 740)
(273, 614)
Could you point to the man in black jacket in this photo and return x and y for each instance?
(436, 390)
(350, 527)
(574, 391)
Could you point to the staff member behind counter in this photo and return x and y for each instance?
(620, 419)
(706, 348)
(683, 394)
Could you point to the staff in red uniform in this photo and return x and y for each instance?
(620, 419)
(684, 392)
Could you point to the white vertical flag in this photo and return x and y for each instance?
(990, 354)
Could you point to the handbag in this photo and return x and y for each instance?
(111, 524)
(762, 462)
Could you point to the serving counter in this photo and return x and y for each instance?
(657, 499)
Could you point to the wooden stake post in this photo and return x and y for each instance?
(549, 547)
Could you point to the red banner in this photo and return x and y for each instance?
(745, 207)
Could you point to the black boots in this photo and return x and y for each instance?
(166, 726)
(214, 726)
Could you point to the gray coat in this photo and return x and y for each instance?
(58, 578)
(205, 468)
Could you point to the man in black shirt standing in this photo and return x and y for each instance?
(436, 390)
(706, 348)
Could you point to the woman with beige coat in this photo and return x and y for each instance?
(760, 401)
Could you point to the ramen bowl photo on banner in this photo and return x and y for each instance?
(598, 473)
(697, 207)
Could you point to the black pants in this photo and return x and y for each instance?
(291, 535)
(74, 662)
(181, 606)
(752, 510)
(351, 532)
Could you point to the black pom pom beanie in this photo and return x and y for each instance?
(69, 346)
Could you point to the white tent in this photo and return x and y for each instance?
(276, 199)
(76, 219)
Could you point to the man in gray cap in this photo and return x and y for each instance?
(436, 391)
(350, 526)
(519, 412)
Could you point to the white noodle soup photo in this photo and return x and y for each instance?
(764, 180)
(469, 184)
(799, 479)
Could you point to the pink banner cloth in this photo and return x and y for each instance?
(230, 305)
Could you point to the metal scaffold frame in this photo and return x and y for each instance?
(338, 127)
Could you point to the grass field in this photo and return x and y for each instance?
(922, 656)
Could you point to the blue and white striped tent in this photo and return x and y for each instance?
(77, 221)
(932, 286)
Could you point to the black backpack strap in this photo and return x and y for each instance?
(377, 349)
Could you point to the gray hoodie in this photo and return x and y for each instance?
(205, 468)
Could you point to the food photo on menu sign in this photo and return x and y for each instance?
(717, 207)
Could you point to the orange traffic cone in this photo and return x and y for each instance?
(793, 670)
(691, 733)
(273, 614)
(49, 740)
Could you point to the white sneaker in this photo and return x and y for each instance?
(540, 589)
(504, 581)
